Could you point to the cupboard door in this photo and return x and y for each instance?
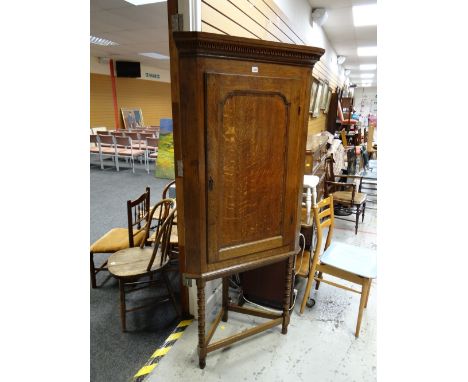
(251, 167)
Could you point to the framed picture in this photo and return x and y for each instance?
(132, 118)
(328, 100)
(318, 98)
(323, 101)
(313, 93)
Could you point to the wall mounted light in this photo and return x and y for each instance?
(340, 59)
(319, 16)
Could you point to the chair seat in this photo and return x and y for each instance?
(345, 197)
(350, 258)
(129, 152)
(302, 264)
(115, 240)
(153, 155)
(133, 261)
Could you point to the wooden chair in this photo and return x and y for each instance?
(371, 150)
(157, 218)
(351, 199)
(121, 238)
(132, 265)
(124, 149)
(348, 262)
(342, 120)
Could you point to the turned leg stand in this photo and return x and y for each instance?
(201, 323)
(225, 298)
(287, 296)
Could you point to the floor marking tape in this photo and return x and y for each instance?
(161, 351)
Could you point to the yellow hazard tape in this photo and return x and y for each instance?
(162, 351)
(145, 370)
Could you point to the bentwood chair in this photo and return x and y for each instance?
(136, 268)
(156, 217)
(121, 238)
(343, 193)
(347, 262)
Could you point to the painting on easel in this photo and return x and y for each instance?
(132, 118)
(165, 160)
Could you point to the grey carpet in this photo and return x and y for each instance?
(117, 356)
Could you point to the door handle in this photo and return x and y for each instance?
(210, 184)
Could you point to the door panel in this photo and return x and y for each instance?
(247, 131)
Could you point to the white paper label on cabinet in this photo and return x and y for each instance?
(254, 69)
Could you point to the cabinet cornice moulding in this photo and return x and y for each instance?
(216, 45)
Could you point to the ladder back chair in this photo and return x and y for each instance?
(121, 238)
(343, 193)
(348, 262)
(136, 267)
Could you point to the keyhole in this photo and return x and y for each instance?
(210, 184)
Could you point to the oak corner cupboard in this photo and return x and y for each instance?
(240, 130)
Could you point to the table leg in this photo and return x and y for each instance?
(201, 323)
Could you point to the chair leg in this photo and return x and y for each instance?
(310, 279)
(363, 211)
(123, 311)
(358, 212)
(92, 270)
(169, 289)
(364, 291)
(317, 283)
(368, 293)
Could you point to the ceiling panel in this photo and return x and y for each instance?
(138, 29)
(344, 36)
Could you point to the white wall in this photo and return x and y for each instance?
(298, 11)
(164, 75)
(365, 100)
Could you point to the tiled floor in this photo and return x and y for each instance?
(320, 344)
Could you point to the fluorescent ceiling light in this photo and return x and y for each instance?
(368, 66)
(142, 2)
(367, 75)
(367, 51)
(154, 55)
(347, 72)
(364, 15)
(101, 41)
